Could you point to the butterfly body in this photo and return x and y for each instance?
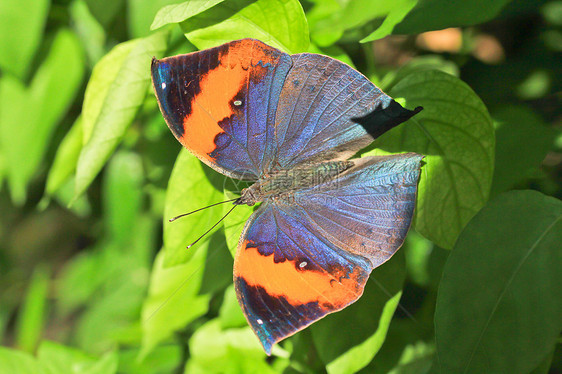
(283, 184)
(290, 123)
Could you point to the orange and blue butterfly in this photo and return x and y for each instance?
(290, 123)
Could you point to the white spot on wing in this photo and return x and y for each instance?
(260, 322)
(238, 103)
(163, 85)
(302, 264)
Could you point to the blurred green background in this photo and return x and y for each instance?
(94, 280)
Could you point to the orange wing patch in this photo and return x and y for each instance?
(295, 283)
(212, 105)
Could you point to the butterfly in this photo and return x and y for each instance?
(290, 123)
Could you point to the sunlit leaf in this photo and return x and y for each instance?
(21, 27)
(455, 133)
(348, 340)
(279, 23)
(114, 94)
(499, 307)
(180, 12)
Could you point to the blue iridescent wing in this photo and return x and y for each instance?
(328, 110)
(301, 259)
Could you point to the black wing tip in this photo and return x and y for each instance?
(382, 119)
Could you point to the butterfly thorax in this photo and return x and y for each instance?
(282, 184)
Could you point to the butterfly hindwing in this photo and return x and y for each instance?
(220, 103)
(302, 259)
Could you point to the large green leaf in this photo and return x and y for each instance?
(455, 133)
(440, 14)
(21, 27)
(173, 299)
(519, 131)
(279, 23)
(38, 108)
(192, 186)
(499, 307)
(177, 13)
(115, 93)
(348, 340)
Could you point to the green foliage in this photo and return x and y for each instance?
(94, 279)
(508, 251)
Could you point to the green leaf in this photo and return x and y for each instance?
(57, 358)
(180, 12)
(115, 93)
(192, 186)
(12, 361)
(279, 23)
(325, 28)
(214, 350)
(230, 314)
(123, 195)
(66, 158)
(89, 31)
(499, 306)
(417, 65)
(140, 15)
(417, 250)
(441, 14)
(234, 224)
(455, 133)
(173, 299)
(519, 131)
(399, 10)
(105, 11)
(348, 340)
(164, 359)
(21, 28)
(40, 110)
(33, 314)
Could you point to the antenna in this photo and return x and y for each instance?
(215, 225)
(200, 209)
